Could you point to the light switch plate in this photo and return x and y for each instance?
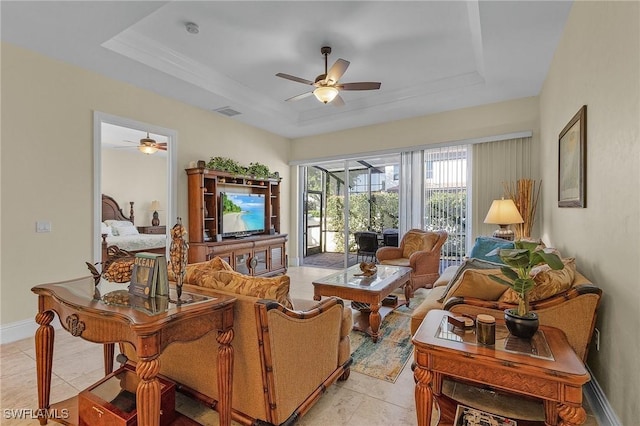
(43, 226)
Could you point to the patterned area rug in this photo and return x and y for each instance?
(385, 359)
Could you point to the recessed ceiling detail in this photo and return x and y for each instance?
(431, 56)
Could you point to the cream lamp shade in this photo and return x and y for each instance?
(325, 94)
(503, 213)
(155, 206)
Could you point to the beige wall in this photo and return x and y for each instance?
(129, 175)
(597, 64)
(47, 164)
(463, 124)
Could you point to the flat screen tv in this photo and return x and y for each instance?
(241, 214)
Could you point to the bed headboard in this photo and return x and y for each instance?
(111, 210)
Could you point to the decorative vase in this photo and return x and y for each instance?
(523, 327)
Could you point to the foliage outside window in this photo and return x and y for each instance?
(448, 211)
(384, 214)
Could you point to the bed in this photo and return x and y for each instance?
(118, 232)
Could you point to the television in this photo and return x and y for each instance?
(241, 214)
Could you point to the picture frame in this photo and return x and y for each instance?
(572, 164)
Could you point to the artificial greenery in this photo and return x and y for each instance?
(258, 170)
(228, 165)
(520, 260)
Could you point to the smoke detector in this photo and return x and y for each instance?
(192, 28)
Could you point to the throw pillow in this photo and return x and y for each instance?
(418, 241)
(549, 282)
(195, 271)
(485, 245)
(272, 288)
(467, 264)
(105, 229)
(124, 230)
(476, 283)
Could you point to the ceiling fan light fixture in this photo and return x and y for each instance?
(325, 94)
(148, 149)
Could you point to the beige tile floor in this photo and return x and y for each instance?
(361, 400)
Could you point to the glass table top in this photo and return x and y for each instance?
(117, 294)
(537, 347)
(350, 278)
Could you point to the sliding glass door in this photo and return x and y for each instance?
(352, 196)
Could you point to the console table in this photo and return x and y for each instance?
(107, 314)
(555, 376)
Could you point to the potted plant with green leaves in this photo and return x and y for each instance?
(519, 261)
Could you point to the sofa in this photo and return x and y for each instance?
(286, 352)
(564, 299)
(419, 250)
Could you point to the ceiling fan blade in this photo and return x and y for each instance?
(337, 101)
(363, 85)
(336, 71)
(294, 78)
(298, 97)
(161, 144)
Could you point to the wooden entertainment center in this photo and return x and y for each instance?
(258, 254)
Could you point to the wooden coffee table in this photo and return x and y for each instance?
(554, 373)
(149, 324)
(371, 290)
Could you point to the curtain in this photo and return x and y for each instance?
(493, 165)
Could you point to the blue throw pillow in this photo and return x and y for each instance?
(485, 245)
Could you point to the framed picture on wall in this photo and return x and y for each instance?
(572, 162)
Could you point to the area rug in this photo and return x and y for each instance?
(385, 359)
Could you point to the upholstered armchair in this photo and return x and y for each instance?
(419, 250)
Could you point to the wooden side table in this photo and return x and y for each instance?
(150, 325)
(556, 378)
(152, 229)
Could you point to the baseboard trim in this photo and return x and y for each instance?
(22, 330)
(599, 403)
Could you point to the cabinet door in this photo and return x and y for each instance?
(241, 259)
(260, 260)
(277, 257)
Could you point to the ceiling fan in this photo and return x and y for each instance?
(326, 85)
(149, 146)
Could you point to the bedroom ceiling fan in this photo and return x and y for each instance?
(149, 146)
(327, 89)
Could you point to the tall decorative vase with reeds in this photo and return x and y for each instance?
(525, 193)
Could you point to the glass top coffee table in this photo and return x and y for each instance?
(346, 284)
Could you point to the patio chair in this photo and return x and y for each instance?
(367, 242)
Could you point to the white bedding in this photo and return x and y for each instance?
(137, 242)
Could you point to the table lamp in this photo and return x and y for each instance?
(503, 213)
(155, 206)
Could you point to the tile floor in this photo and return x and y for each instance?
(361, 400)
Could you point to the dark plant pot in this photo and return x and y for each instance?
(523, 327)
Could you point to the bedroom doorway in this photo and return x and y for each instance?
(125, 173)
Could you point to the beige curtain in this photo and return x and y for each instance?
(494, 163)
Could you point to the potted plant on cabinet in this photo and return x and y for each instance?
(519, 261)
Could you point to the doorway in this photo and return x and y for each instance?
(137, 185)
(313, 222)
(345, 196)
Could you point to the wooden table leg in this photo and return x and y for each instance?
(108, 358)
(423, 395)
(225, 376)
(408, 292)
(44, 361)
(570, 415)
(374, 321)
(148, 392)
